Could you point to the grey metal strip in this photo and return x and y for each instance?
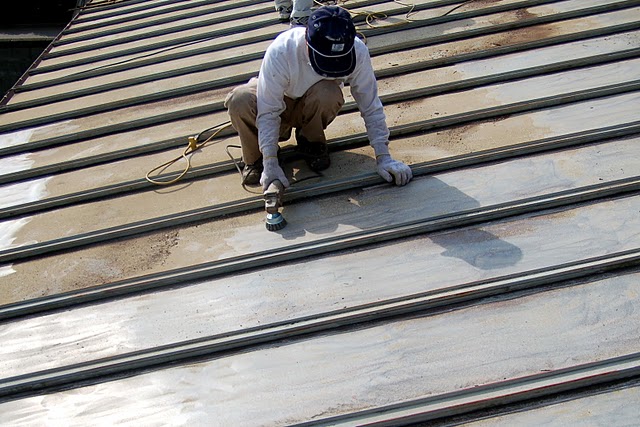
(367, 33)
(111, 190)
(244, 339)
(99, 159)
(443, 406)
(107, 56)
(508, 26)
(518, 107)
(432, 63)
(215, 107)
(246, 27)
(162, 20)
(471, 159)
(118, 10)
(172, 29)
(402, 46)
(236, 5)
(203, 67)
(166, 31)
(439, 223)
(609, 7)
(176, 142)
(157, 45)
(472, 83)
(89, 9)
(423, 65)
(391, 71)
(107, 130)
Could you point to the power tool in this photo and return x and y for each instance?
(272, 203)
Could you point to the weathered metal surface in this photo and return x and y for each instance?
(195, 100)
(506, 93)
(617, 407)
(581, 167)
(431, 262)
(358, 369)
(296, 325)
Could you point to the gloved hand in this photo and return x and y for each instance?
(393, 170)
(271, 172)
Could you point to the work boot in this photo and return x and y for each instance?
(316, 154)
(301, 12)
(298, 21)
(284, 13)
(251, 173)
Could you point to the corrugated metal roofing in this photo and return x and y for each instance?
(500, 286)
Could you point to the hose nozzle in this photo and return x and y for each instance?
(272, 203)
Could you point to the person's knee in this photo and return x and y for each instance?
(240, 100)
(326, 93)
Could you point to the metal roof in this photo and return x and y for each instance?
(500, 287)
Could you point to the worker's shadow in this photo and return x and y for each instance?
(386, 205)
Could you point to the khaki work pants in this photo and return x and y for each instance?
(310, 114)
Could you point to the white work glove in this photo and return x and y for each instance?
(393, 170)
(271, 172)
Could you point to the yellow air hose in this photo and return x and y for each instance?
(192, 146)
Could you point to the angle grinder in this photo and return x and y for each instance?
(272, 203)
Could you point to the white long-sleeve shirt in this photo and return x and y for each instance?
(286, 71)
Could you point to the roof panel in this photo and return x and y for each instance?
(370, 367)
(514, 249)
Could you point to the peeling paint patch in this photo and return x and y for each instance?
(17, 194)
(16, 138)
(6, 270)
(24, 136)
(23, 192)
(8, 231)
(15, 163)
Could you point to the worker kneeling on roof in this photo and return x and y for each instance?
(300, 86)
